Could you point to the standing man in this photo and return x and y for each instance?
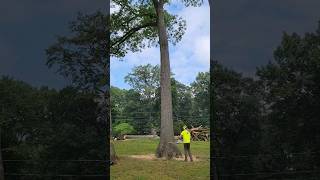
(186, 136)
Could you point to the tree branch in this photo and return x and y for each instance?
(155, 4)
(132, 31)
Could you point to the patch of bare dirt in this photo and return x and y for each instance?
(153, 157)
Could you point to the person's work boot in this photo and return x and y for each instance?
(191, 158)
(185, 158)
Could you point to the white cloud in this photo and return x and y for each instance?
(192, 54)
(147, 56)
(202, 50)
(114, 8)
(197, 37)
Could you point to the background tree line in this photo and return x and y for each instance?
(140, 105)
(49, 132)
(268, 127)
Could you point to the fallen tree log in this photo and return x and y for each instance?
(141, 137)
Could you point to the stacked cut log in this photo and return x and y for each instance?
(200, 133)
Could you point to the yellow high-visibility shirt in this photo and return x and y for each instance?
(186, 136)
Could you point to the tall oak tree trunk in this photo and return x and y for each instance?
(167, 147)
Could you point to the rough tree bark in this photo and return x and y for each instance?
(1, 162)
(167, 147)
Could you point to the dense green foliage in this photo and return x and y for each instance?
(237, 120)
(83, 56)
(268, 128)
(49, 128)
(134, 26)
(123, 129)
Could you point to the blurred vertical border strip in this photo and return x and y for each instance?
(213, 167)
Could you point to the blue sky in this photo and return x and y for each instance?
(190, 56)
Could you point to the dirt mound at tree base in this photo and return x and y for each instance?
(153, 157)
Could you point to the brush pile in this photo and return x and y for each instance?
(200, 133)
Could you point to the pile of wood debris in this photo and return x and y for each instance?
(200, 133)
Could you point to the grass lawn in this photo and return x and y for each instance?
(143, 169)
